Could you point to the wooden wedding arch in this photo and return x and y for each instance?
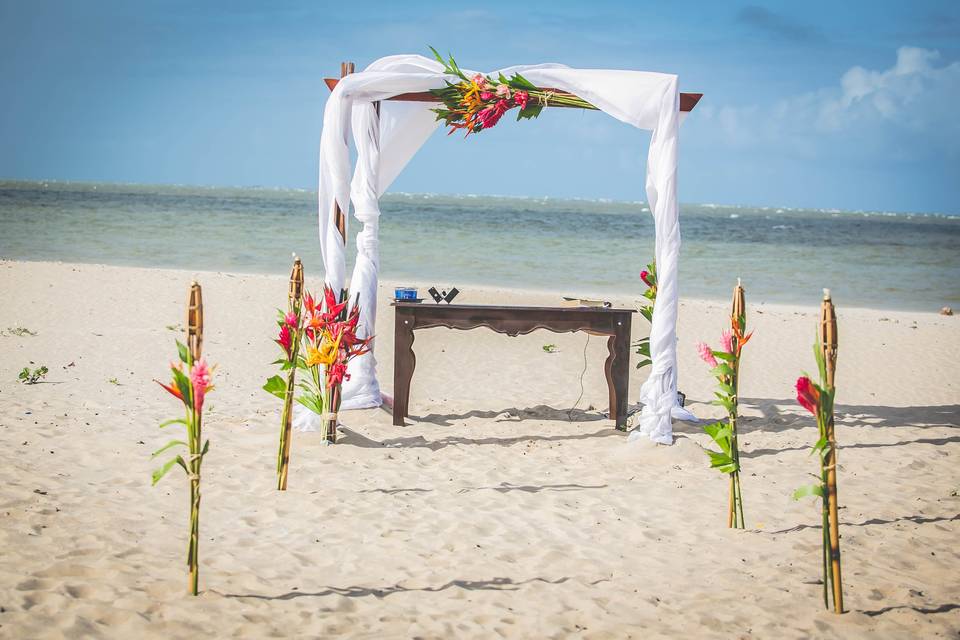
(687, 102)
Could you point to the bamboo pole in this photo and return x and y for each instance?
(195, 321)
(737, 312)
(194, 346)
(828, 344)
(294, 295)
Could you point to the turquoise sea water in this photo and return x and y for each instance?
(579, 247)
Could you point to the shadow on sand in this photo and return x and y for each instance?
(496, 584)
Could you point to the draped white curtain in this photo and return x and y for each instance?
(385, 143)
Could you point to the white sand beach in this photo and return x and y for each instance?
(500, 510)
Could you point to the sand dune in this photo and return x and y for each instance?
(499, 510)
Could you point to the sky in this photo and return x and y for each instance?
(847, 105)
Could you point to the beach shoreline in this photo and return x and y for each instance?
(505, 506)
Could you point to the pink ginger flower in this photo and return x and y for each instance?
(200, 378)
(291, 320)
(726, 341)
(520, 98)
(486, 96)
(480, 80)
(706, 354)
(503, 91)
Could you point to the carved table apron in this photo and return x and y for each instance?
(614, 323)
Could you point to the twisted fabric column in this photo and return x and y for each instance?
(362, 389)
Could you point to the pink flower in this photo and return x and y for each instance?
(807, 394)
(480, 80)
(503, 91)
(200, 379)
(706, 354)
(291, 320)
(491, 115)
(520, 98)
(644, 275)
(726, 341)
(486, 96)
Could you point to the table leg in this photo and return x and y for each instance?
(617, 368)
(404, 362)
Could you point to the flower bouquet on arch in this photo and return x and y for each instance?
(479, 102)
(330, 338)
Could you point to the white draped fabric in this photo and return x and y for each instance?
(385, 143)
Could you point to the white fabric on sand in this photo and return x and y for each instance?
(386, 143)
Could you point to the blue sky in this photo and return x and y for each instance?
(818, 104)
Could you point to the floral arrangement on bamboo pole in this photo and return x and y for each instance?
(192, 380)
(330, 334)
(288, 339)
(817, 398)
(725, 366)
(642, 345)
(478, 102)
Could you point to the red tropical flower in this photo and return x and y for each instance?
(337, 373)
(644, 275)
(333, 307)
(172, 388)
(285, 339)
(807, 394)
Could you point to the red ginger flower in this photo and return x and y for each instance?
(807, 394)
(520, 98)
(644, 275)
(285, 339)
(490, 116)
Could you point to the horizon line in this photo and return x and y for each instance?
(942, 214)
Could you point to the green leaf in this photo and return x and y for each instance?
(647, 312)
(722, 369)
(174, 421)
(206, 447)
(724, 402)
(312, 402)
(725, 388)
(183, 384)
(162, 471)
(183, 352)
(644, 363)
(276, 386)
(809, 490)
(722, 462)
(172, 443)
(519, 82)
(820, 445)
(532, 111)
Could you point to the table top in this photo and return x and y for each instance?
(493, 307)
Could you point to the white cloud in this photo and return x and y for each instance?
(914, 96)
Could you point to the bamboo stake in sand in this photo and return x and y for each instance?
(294, 296)
(194, 346)
(738, 319)
(827, 332)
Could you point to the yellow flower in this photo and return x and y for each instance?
(326, 354)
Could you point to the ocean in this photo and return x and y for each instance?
(584, 248)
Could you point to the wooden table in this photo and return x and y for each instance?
(614, 323)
